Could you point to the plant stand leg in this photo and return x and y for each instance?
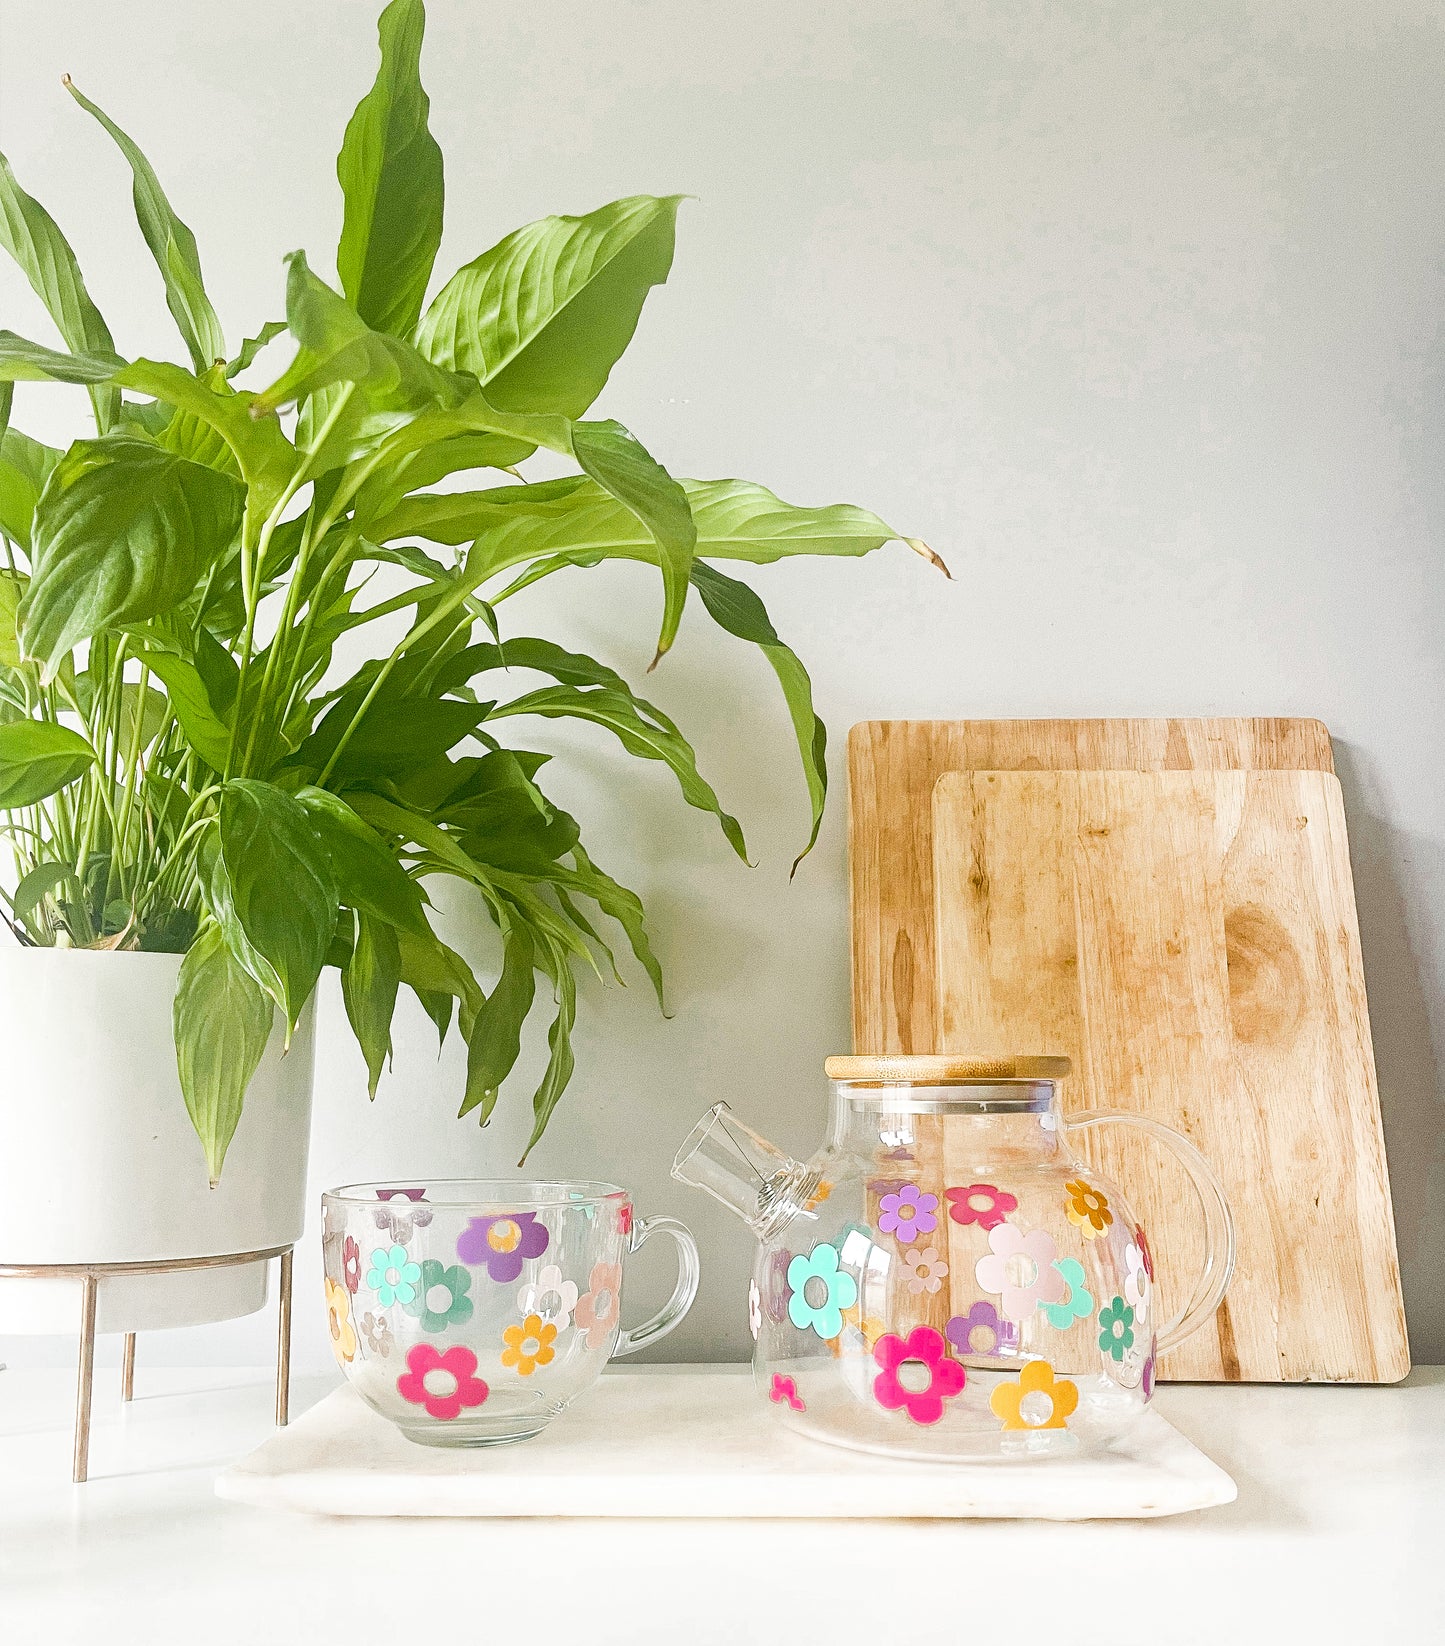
(85, 1373)
(283, 1343)
(127, 1369)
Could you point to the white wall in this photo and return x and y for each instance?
(1133, 310)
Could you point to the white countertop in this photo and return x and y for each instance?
(1338, 1534)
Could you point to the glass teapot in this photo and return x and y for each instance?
(945, 1278)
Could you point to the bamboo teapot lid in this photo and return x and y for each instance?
(939, 1069)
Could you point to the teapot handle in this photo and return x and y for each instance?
(1219, 1247)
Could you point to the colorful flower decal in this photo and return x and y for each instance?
(775, 1292)
(922, 1347)
(1142, 1241)
(399, 1222)
(1147, 1382)
(351, 1264)
(529, 1345)
(755, 1310)
(820, 1193)
(1136, 1282)
(624, 1218)
(550, 1296)
(1077, 1302)
(376, 1329)
(833, 1291)
(785, 1392)
(860, 1331)
(436, 1314)
(926, 1270)
(1039, 1400)
(502, 1243)
(981, 1203)
(856, 1246)
(963, 1331)
(444, 1381)
(393, 1276)
(1116, 1329)
(1087, 1209)
(908, 1213)
(597, 1312)
(1020, 1269)
(338, 1320)
(899, 1152)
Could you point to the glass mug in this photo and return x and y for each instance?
(473, 1313)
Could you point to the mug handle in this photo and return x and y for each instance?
(1219, 1246)
(689, 1271)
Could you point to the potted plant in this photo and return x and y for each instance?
(204, 807)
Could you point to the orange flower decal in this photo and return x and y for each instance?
(1087, 1209)
(868, 1329)
(1038, 1400)
(529, 1345)
(338, 1321)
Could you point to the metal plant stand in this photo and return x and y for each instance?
(91, 1274)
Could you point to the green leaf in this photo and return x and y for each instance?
(206, 729)
(625, 907)
(153, 711)
(32, 237)
(123, 531)
(541, 319)
(429, 967)
(25, 466)
(390, 170)
(37, 758)
(222, 1023)
(561, 1062)
(253, 346)
(625, 717)
(395, 735)
(496, 1038)
(505, 821)
(273, 891)
(369, 983)
(737, 608)
(38, 884)
(368, 876)
(22, 361)
(620, 465)
(12, 588)
(172, 245)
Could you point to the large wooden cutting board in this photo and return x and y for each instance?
(1189, 939)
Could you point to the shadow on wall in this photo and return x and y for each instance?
(1399, 878)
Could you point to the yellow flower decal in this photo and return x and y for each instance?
(338, 1319)
(864, 1331)
(1087, 1209)
(1038, 1400)
(529, 1345)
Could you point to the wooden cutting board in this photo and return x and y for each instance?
(1189, 939)
(893, 767)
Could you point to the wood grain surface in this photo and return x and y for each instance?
(1189, 939)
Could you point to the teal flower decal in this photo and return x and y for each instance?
(821, 1291)
(1116, 1328)
(1078, 1302)
(393, 1276)
(456, 1282)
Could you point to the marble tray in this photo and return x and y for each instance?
(697, 1443)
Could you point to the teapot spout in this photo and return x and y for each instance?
(752, 1178)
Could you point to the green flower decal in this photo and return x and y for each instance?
(456, 1282)
(393, 1276)
(832, 1291)
(1116, 1329)
(1078, 1301)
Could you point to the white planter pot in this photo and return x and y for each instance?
(98, 1160)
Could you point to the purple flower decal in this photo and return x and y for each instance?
(399, 1222)
(1148, 1378)
(776, 1286)
(908, 1213)
(981, 1318)
(501, 1243)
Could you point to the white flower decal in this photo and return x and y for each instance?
(549, 1297)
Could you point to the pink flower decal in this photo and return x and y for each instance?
(502, 1243)
(785, 1391)
(351, 1264)
(982, 1320)
(923, 1347)
(624, 1217)
(926, 1270)
(444, 1381)
(908, 1213)
(1019, 1268)
(1141, 1240)
(980, 1203)
(596, 1313)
